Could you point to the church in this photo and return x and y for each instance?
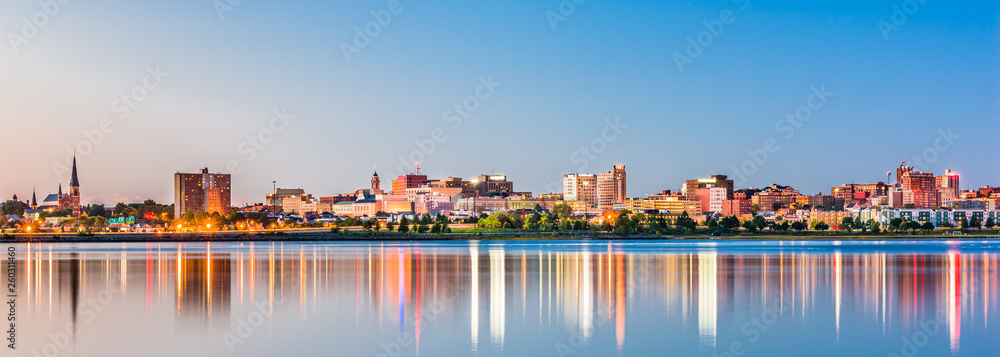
(61, 201)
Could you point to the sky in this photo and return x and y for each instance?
(317, 94)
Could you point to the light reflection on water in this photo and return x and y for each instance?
(531, 298)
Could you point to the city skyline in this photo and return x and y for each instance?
(538, 95)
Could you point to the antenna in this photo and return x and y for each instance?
(418, 168)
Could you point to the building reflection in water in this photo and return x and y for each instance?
(585, 290)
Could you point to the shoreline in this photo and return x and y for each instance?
(406, 237)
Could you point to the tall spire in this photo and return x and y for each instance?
(34, 202)
(73, 181)
(60, 190)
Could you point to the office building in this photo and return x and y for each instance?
(493, 186)
(403, 182)
(688, 190)
(947, 185)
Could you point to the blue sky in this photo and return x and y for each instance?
(223, 77)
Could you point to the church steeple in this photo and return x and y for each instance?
(73, 201)
(74, 181)
(34, 202)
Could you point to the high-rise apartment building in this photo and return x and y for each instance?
(202, 192)
(601, 191)
(580, 187)
(919, 188)
(611, 188)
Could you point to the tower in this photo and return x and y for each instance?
(74, 190)
(34, 202)
(376, 183)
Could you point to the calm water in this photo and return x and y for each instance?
(870, 298)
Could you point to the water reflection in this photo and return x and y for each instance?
(588, 296)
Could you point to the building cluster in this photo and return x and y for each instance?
(417, 194)
(914, 195)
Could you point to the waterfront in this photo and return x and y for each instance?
(755, 298)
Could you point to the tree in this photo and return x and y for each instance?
(119, 208)
(563, 210)
(750, 226)
(912, 225)
(990, 223)
(822, 226)
(895, 224)
(776, 206)
(422, 228)
(754, 208)
(783, 227)
(685, 222)
(975, 222)
(534, 219)
(404, 225)
(927, 226)
(798, 226)
(96, 210)
(729, 222)
(847, 223)
(874, 227)
(13, 208)
(759, 222)
(390, 226)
